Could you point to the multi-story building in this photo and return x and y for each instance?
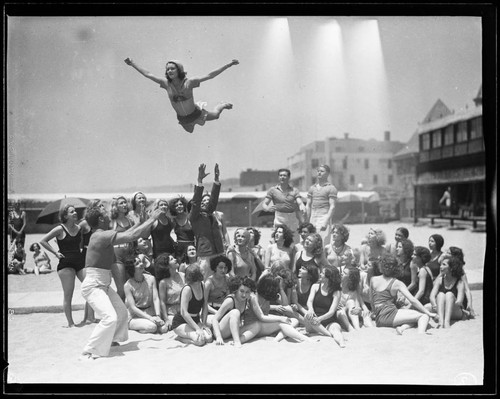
(354, 163)
(405, 162)
(451, 154)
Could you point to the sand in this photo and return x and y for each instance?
(41, 350)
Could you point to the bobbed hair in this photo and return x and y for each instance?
(423, 253)
(214, 262)
(317, 247)
(306, 225)
(404, 231)
(439, 240)
(114, 207)
(456, 266)
(268, 287)
(389, 265)
(256, 235)
(236, 282)
(408, 248)
(180, 70)
(332, 274)
(193, 274)
(343, 231)
(173, 202)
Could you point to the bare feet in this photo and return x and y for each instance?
(236, 344)
(399, 330)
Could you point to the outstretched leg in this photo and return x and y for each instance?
(212, 115)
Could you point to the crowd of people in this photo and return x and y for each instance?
(175, 268)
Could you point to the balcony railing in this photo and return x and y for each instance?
(471, 147)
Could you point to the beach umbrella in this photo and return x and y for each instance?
(50, 214)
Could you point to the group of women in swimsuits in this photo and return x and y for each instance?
(288, 290)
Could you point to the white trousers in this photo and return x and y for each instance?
(108, 307)
(318, 219)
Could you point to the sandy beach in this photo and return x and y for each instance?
(40, 350)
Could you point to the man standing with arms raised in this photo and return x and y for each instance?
(320, 204)
(96, 287)
(286, 199)
(208, 236)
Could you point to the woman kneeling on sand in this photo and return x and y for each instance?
(191, 323)
(141, 298)
(384, 291)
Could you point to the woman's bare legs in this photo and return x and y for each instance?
(212, 115)
(344, 320)
(120, 277)
(451, 310)
(143, 326)
(406, 318)
(336, 332)
(353, 318)
(67, 277)
(440, 300)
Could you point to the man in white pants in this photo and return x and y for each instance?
(96, 287)
(320, 204)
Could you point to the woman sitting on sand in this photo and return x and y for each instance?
(282, 305)
(190, 324)
(324, 298)
(17, 259)
(282, 249)
(338, 253)
(426, 276)
(373, 249)
(217, 284)
(170, 283)
(384, 291)
(41, 259)
(447, 296)
(304, 230)
(256, 320)
(436, 242)
(188, 258)
(141, 299)
(312, 254)
(351, 300)
(408, 269)
(455, 251)
(242, 257)
(308, 275)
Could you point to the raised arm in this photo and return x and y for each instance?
(216, 72)
(138, 230)
(143, 72)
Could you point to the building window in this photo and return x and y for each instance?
(338, 149)
(390, 179)
(344, 163)
(425, 142)
(436, 139)
(476, 128)
(314, 163)
(351, 179)
(361, 149)
(389, 164)
(367, 164)
(375, 179)
(448, 135)
(461, 132)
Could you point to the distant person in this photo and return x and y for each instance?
(17, 223)
(320, 204)
(288, 206)
(161, 230)
(17, 259)
(208, 236)
(96, 288)
(180, 92)
(445, 202)
(178, 209)
(138, 213)
(71, 262)
(41, 259)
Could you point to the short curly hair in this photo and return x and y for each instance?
(162, 265)
(380, 238)
(214, 262)
(287, 234)
(389, 266)
(456, 251)
(32, 246)
(423, 254)
(306, 225)
(173, 202)
(317, 246)
(235, 282)
(114, 207)
(332, 274)
(313, 273)
(268, 287)
(342, 230)
(246, 234)
(289, 278)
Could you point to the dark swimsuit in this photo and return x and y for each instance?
(385, 308)
(322, 304)
(301, 262)
(453, 290)
(69, 246)
(194, 307)
(162, 241)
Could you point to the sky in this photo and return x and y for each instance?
(80, 120)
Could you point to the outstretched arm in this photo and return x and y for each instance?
(143, 71)
(217, 72)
